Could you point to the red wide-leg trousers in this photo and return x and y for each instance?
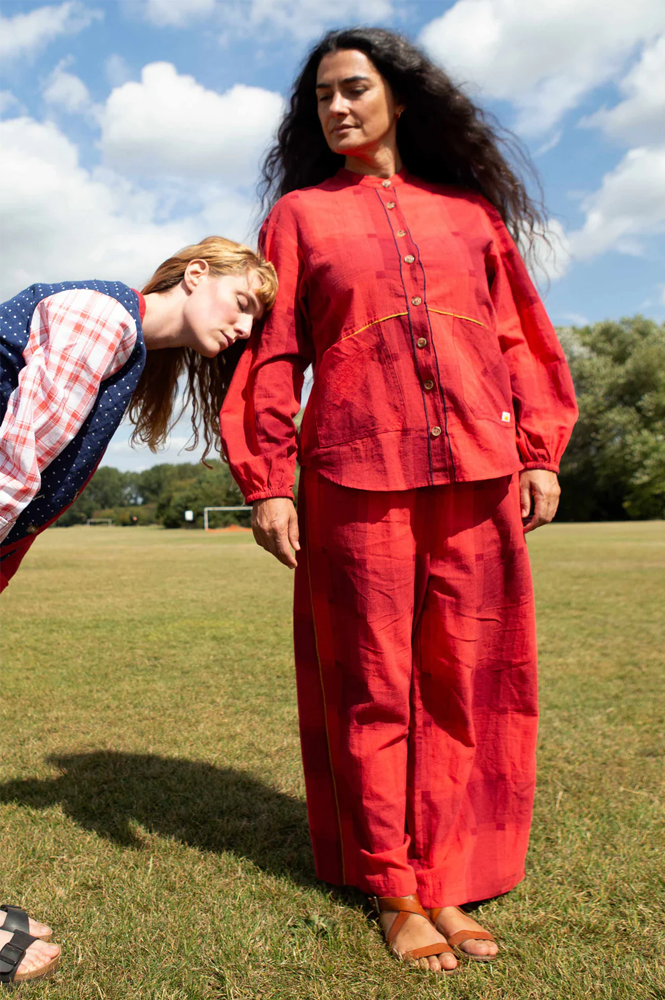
(416, 672)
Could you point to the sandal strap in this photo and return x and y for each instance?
(397, 904)
(16, 919)
(397, 925)
(461, 936)
(11, 955)
(404, 908)
(428, 950)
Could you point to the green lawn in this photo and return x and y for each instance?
(152, 797)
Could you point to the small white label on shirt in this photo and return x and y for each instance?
(505, 416)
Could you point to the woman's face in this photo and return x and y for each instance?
(219, 309)
(357, 109)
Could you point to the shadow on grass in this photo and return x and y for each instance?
(210, 808)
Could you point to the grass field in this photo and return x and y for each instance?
(152, 798)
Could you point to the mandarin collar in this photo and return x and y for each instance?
(367, 180)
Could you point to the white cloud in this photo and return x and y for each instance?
(662, 294)
(117, 70)
(309, 18)
(122, 455)
(544, 56)
(302, 18)
(628, 206)
(575, 319)
(60, 221)
(640, 117)
(24, 34)
(67, 91)
(10, 104)
(169, 124)
(177, 13)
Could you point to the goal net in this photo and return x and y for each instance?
(211, 523)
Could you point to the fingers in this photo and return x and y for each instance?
(276, 542)
(283, 549)
(538, 515)
(525, 497)
(544, 488)
(275, 528)
(294, 531)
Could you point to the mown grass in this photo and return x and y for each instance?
(152, 797)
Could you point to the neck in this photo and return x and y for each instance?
(163, 322)
(383, 161)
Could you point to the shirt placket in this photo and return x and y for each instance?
(415, 292)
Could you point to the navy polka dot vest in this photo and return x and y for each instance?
(64, 477)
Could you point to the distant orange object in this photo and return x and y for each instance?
(230, 527)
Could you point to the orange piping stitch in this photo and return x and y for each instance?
(373, 323)
(442, 312)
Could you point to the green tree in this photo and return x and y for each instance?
(106, 488)
(211, 487)
(615, 464)
(154, 483)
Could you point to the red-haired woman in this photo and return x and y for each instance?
(73, 358)
(430, 444)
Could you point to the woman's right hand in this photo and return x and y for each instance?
(275, 527)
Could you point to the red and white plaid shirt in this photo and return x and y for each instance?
(77, 339)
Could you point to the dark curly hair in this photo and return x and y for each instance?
(442, 135)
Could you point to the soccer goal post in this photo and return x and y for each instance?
(99, 520)
(206, 511)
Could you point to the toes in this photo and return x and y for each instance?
(474, 947)
(37, 929)
(434, 964)
(479, 948)
(448, 961)
(38, 955)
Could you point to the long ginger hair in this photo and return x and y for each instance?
(155, 406)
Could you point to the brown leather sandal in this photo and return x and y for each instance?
(404, 908)
(459, 937)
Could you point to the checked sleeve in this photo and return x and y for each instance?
(77, 339)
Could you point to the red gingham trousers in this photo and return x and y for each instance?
(416, 672)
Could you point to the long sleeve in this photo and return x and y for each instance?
(77, 339)
(543, 393)
(258, 433)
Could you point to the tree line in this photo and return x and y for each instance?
(159, 495)
(613, 469)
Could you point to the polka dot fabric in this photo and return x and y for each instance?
(68, 473)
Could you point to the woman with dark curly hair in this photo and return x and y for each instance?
(430, 444)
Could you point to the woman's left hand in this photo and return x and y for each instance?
(539, 488)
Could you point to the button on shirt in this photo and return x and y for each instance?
(434, 360)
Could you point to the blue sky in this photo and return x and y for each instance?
(131, 127)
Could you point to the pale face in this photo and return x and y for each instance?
(219, 309)
(357, 109)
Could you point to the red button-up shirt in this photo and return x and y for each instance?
(434, 360)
